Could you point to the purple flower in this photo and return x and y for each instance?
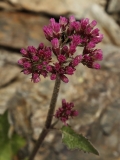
(96, 65)
(55, 26)
(76, 40)
(64, 78)
(44, 73)
(65, 50)
(52, 22)
(35, 77)
(57, 66)
(35, 61)
(39, 66)
(53, 76)
(35, 58)
(31, 49)
(84, 23)
(91, 56)
(95, 32)
(97, 39)
(55, 43)
(24, 52)
(93, 24)
(90, 45)
(70, 70)
(48, 32)
(61, 58)
(66, 112)
(49, 68)
(27, 71)
(72, 49)
(65, 36)
(76, 26)
(22, 61)
(27, 65)
(63, 22)
(76, 60)
(71, 19)
(41, 46)
(98, 55)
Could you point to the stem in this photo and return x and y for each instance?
(53, 103)
(49, 118)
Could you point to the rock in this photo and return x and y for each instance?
(113, 9)
(111, 118)
(6, 94)
(8, 73)
(7, 6)
(112, 140)
(20, 30)
(26, 29)
(9, 57)
(111, 58)
(114, 6)
(108, 25)
(57, 7)
(19, 113)
(32, 102)
(9, 69)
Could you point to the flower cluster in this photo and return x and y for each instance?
(65, 36)
(66, 111)
(35, 61)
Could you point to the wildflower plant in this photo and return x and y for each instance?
(65, 36)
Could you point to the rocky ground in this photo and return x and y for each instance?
(96, 94)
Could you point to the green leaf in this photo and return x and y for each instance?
(8, 146)
(76, 141)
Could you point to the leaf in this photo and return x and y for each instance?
(76, 141)
(8, 146)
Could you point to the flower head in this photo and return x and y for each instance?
(66, 112)
(65, 36)
(35, 61)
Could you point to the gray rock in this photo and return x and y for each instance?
(8, 6)
(112, 140)
(111, 60)
(114, 6)
(20, 30)
(57, 7)
(9, 69)
(8, 73)
(111, 119)
(6, 94)
(9, 57)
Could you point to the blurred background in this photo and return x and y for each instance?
(96, 94)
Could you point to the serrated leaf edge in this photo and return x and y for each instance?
(96, 152)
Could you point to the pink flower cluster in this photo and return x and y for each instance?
(65, 36)
(35, 61)
(66, 111)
